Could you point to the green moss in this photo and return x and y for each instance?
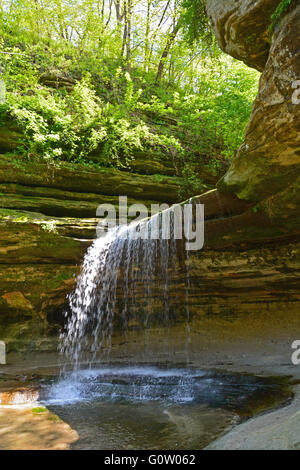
(39, 409)
(53, 417)
(279, 12)
(58, 280)
(73, 192)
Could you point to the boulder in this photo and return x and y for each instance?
(56, 79)
(242, 28)
(269, 159)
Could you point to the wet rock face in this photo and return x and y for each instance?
(224, 283)
(40, 257)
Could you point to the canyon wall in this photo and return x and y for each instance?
(250, 262)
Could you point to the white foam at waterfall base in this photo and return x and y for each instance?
(130, 384)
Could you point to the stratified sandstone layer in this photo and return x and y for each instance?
(47, 221)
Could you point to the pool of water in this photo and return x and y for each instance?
(119, 408)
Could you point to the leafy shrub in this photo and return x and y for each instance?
(58, 125)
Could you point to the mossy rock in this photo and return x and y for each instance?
(83, 179)
(10, 137)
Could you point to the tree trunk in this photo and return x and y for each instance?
(125, 32)
(128, 41)
(146, 53)
(166, 51)
(119, 15)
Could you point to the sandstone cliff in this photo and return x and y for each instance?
(251, 255)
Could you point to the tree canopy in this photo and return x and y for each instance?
(144, 75)
(162, 35)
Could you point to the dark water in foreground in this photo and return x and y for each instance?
(119, 408)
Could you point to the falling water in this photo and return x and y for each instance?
(93, 304)
(187, 288)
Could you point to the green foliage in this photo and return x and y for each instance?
(38, 410)
(196, 23)
(195, 118)
(69, 126)
(278, 13)
(56, 125)
(210, 123)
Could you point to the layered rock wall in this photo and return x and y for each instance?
(250, 263)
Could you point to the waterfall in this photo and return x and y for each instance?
(93, 301)
(119, 254)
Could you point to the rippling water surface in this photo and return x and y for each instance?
(156, 408)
